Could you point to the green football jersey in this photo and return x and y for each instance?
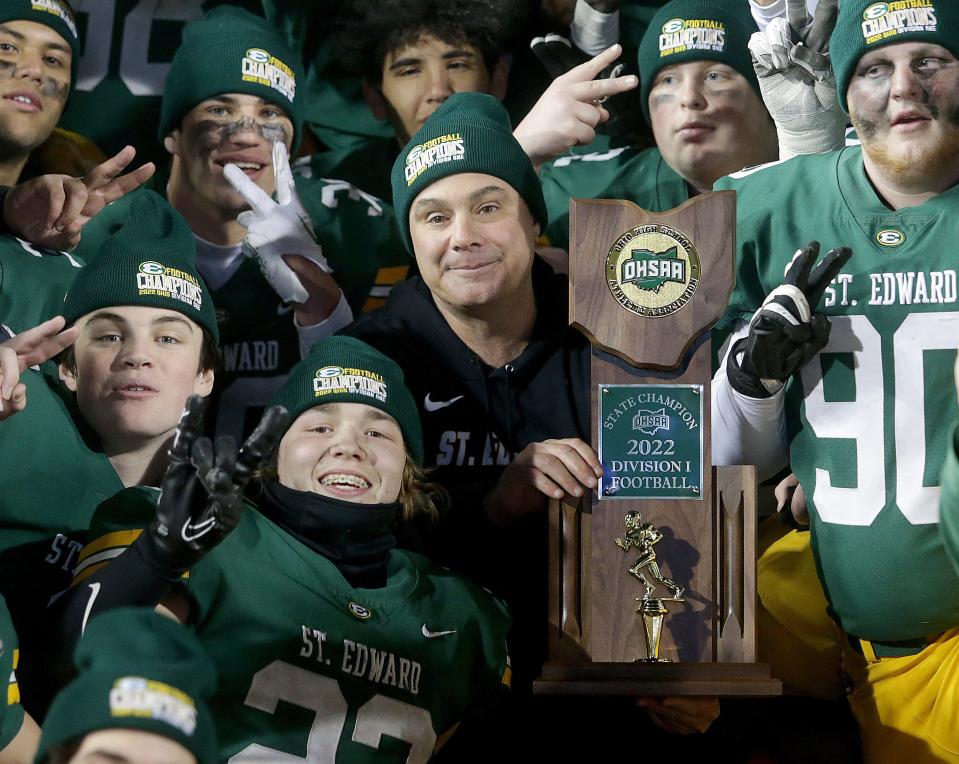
(869, 418)
(259, 344)
(949, 504)
(621, 173)
(359, 237)
(33, 283)
(126, 50)
(312, 668)
(53, 476)
(367, 166)
(11, 712)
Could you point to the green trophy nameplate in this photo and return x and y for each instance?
(651, 441)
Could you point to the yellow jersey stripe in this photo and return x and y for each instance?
(117, 538)
(13, 689)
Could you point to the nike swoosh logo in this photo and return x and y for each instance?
(192, 531)
(431, 405)
(434, 634)
(282, 310)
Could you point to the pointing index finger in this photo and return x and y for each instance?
(106, 171)
(285, 185)
(252, 194)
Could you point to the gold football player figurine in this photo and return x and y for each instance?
(643, 536)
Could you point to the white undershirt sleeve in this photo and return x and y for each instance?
(763, 14)
(747, 430)
(310, 335)
(593, 31)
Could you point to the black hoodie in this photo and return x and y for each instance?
(475, 418)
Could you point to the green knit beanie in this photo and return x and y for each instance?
(864, 25)
(140, 671)
(469, 132)
(56, 14)
(345, 370)
(697, 30)
(232, 51)
(148, 259)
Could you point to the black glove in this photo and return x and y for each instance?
(785, 332)
(558, 55)
(201, 496)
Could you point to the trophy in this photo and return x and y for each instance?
(646, 288)
(642, 536)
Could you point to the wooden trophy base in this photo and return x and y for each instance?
(722, 680)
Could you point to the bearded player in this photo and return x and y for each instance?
(861, 411)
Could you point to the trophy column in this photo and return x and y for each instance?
(675, 615)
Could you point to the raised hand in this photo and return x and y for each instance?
(277, 228)
(32, 347)
(558, 55)
(791, 60)
(51, 210)
(201, 498)
(786, 331)
(567, 114)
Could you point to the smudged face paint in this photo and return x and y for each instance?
(904, 103)
(708, 121)
(233, 128)
(34, 84)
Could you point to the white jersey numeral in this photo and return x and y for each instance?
(863, 419)
(141, 76)
(377, 717)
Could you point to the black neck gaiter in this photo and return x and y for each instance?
(357, 538)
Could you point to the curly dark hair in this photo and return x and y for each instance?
(367, 32)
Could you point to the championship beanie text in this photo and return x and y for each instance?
(149, 259)
(696, 30)
(232, 51)
(864, 25)
(469, 132)
(56, 14)
(138, 670)
(345, 370)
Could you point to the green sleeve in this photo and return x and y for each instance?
(754, 271)
(358, 236)
(949, 500)
(584, 176)
(11, 715)
(33, 282)
(642, 177)
(116, 524)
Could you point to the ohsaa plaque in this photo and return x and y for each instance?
(652, 576)
(653, 270)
